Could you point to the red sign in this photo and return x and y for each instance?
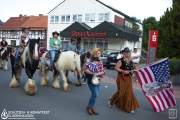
(89, 34)
(152, 46)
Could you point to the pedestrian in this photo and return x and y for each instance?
(135, 59)
(72, 45)
(94, 88)
(124, 98)
(3, 45)
(55, 46)
(120, 55)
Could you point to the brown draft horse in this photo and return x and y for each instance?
(4, 57)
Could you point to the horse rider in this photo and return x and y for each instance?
(23, 39)
(72, 45)
(3, 45)
(55, 46)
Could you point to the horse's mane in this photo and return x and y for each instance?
(85, 55)
(28, 51)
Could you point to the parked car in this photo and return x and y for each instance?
(111, 60)
(104, 57)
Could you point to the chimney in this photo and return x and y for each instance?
(40, 14)
(20, 15)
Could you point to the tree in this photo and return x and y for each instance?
(169, 32)
(148, 24)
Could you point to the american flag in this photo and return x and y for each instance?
(154, 80)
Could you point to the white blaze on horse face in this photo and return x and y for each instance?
(36, 50)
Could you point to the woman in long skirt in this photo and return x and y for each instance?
(124, 98)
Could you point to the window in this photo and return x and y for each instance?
(102, 43)
(65, 18)
(128, 24)
(13, 32)
(77, 18)
(103, 17)
(13, 42)
(54, 19)
(88, 44)
(90, 17)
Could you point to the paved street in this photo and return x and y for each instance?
(71, 105)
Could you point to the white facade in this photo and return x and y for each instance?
(12, 37)
(90, 12)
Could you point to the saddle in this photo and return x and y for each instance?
(48, 56)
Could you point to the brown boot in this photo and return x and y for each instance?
(89, 110)
(94, 112)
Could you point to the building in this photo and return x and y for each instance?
(12, 28)
(76, 17)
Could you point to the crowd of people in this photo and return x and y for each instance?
(124, 98)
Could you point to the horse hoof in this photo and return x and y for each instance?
(78, 84)
(5, 69)
(67, 89)
(70, 82)
(32, 89)
(56, 86)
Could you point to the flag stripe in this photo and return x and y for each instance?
(138, 77)
(149, 74)
(158, 106)
(144, 77)
(161, 97)
(153, 103)
(159, 101)
(166, 98)
(171, 97)
(171, 104)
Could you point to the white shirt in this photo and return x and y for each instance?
(137, 59)
(119, 56)
(26, 40)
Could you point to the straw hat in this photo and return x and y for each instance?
(95, 50)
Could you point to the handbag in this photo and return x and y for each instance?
(95, 80)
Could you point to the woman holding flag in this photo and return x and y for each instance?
(124, 98)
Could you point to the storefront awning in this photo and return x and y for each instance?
(80, 27)
(103, 30)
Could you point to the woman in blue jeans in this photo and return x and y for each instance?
(55, 46)
(94, 88)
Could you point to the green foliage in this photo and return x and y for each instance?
(169, 32)
(136, 19)
(148, 24)
(174, 66)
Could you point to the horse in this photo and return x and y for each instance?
(85, 57)
(29, 61)
(66, 61)
(5, 57)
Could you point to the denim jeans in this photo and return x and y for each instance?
(52, 54)
(94, 90)
(85, 77)
(17, 54)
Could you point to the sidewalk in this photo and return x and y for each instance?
(136, 85)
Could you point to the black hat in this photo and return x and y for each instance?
(95, 59)
(55, 33)
(126, 49)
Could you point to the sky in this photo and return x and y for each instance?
(139, 8)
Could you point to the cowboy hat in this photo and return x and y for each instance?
(126, 49)
(95, 50)
(25, 27)
(55, 33)
(95, 59)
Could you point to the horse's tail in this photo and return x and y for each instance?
(78, 63)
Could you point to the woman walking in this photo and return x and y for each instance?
(94, 88)
(124, 98)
